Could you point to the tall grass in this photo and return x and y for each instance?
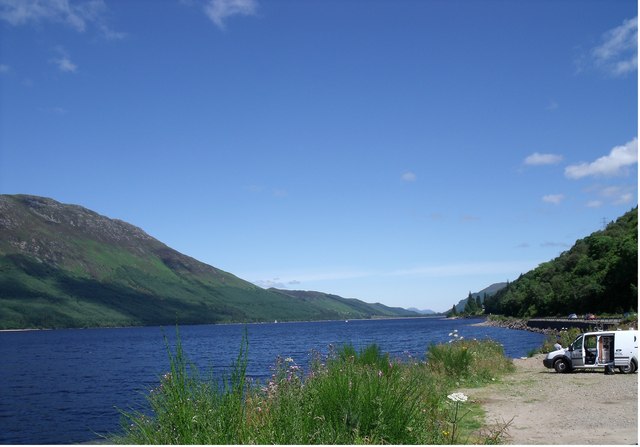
(346, 397)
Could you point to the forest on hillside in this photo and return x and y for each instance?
(599, 274)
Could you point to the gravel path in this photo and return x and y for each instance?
(550, 408)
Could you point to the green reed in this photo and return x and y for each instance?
(346, 397)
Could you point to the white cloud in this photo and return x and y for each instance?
(553, 198)
(594, 203)
(220, 10)
(623, 199)
(613, 164)
(268, 283)
(409, 176)
(74, 14)
(618, 52)
(65, 65)
(612, 195)
(63, 61)
(537, 159)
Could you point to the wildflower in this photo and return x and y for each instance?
(457, 397)
(379, 373)
(288, 359)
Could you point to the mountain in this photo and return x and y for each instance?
(346, 306)
(487, 291)
(599, 274)
(67, 266)
(422, 311)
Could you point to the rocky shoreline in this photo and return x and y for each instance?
(515, 323)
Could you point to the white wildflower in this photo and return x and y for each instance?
(457, 397)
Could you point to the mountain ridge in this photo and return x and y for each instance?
(67, 266)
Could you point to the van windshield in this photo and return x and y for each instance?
(577, 344)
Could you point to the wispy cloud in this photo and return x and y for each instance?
(537, 159)
(553, 105)
(554, 244)
(409, 177)
(465, 269)
(611, 194)
(275, 282)
(469, 218)
(504, 268)
(53, 110)
(220, 10)
(616, 163)
(594, 203)
(65, 65)
(4, 68)
(76, 15)
(63, 61)
(617, 54)
(556, 199)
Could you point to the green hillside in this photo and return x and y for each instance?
(483, 294)
(346, 307)
(67, 266)
(599, 274)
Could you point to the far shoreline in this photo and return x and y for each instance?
(229, 323)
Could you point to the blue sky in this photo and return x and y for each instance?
(398, 152)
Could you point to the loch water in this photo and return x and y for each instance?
(69, 386)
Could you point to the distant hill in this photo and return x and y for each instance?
(422, 311)
(599, 274)
(67, 266)
(347, 306)
(486, 292)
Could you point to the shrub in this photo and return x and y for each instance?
(471, 361)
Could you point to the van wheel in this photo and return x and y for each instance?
(561, 366)
(630, 368)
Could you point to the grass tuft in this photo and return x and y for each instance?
(346, 397)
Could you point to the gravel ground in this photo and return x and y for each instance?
(587, 408)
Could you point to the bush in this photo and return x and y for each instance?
(470, 361)
(565, 337)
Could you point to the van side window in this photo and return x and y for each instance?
(577, 344)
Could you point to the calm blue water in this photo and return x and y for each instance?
(66, 386)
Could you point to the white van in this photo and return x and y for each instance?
(597, 350)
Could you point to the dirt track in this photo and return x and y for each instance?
(550, 408)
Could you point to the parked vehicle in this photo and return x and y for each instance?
(589, 317)
(597, 350)
(573, 317)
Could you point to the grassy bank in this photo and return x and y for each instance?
(346, 397)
